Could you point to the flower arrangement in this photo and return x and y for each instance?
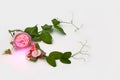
(30, 38)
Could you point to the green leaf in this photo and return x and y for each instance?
(37, 46)
(60, 29)
(56, 25)
(66, 55)
(55, 54)
(47, 27)
(36, 38)
(51, 61)
(33, 59)
(66, 61)
(55, 22)
(46, 37)
(32, 30)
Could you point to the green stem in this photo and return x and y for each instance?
(12, 32)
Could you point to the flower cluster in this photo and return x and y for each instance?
(34, 53)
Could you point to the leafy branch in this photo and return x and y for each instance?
(56, 55)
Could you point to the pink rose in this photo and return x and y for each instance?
(36, 53)
(22, 40)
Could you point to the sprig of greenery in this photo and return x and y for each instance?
(56, 24)
(56, 55)
(45, 34)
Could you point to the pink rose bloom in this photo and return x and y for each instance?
(22, 40)
(36, 53)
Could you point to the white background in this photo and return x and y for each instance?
(101, 30)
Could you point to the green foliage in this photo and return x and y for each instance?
(46, 37)
(32, 31)
(65, 61)
(66, 55)
(51, 61)
(43, 36)
(33, 59)
(36, 38)
(56, 24)
(56, 55)
(60, 29)
(37, 46)
(47, 27)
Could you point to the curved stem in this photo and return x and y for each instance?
(12, 32)
(79, 52)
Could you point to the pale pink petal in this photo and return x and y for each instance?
(34, 53)
(33, 47)
(39, 52)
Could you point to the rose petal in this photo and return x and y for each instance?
(36, 53)
(33, 47)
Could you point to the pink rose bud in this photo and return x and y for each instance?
(36, 53)
(22, 40)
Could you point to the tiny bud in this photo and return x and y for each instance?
(8, 51)
(11, 42)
